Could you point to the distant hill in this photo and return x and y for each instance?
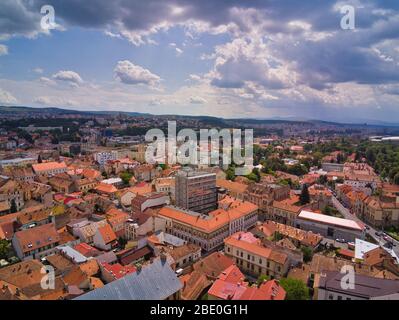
(215, 121)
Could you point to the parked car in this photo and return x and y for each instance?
(367, 227)
(340, 240)
(379, 233)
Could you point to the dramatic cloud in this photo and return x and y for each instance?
(70, 77)
(129, 73)
(256, 56)
(18, 17)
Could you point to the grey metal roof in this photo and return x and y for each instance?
(76, 256)
(365, 286)
(170, 239)
(156, 281)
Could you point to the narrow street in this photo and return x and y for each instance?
(370, 230)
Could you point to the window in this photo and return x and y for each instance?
(330, 297)
(339, 297)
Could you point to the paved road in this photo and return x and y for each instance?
(370, 230)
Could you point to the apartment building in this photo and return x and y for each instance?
(380, 211)
(36, 243)
(196, 191)
(103, 157)
(209, 231)
(49, 168)
(255, 258)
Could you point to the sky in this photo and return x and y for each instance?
(228, 58)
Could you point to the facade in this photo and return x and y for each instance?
(36, 243)
(11, 192)
(254, 258)
(209, 231)
(103, 157)
(380, 211)
(49, 168)
(196, 191)
(332, 167)
(145, 172)
(104, 238)
(154, 199)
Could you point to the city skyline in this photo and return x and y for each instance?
(258, 59)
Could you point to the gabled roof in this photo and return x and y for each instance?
(156, 281)
(236, 240)
(107, 233)
(106, 188)
(37, 237)
(47, 166)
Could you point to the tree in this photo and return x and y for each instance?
(252, 176)
(262, 278)
(327, 211)
(122, 242)
(307, 254)
(13, 206)
(39, 159)
(396, 179)
(297, 169)
(295, 289)
(4, 249)
(304, 197)
(125, 176)
(230, 173)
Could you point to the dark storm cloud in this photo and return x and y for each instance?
(345, 56)
(16, 18)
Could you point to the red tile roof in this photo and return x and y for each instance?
(47, 166)
(107, 233)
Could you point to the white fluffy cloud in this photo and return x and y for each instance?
(70, 77)
(197, 100)
(43, 100)
(7, 98)
(129, 73)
